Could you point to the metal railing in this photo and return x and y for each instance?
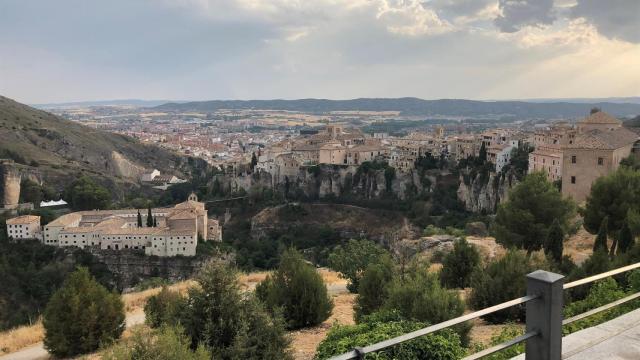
(544, 302)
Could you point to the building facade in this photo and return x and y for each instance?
(24, 227)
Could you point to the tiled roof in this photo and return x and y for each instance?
(24, 219)
(606, 140)
(600, 117)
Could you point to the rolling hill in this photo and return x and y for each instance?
(418, 107)
(55, 147)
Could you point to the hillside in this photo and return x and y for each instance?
(54, 147)
(417, 107)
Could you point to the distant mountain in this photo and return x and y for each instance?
(615, 100)
(122, 102)
(418, 107)
(57, 148)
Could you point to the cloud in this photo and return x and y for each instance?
(517, 14)
(616, 19)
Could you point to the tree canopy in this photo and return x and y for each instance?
(352, 259)
(85, 194)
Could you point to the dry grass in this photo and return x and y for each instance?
(136, 300)
(20, 337)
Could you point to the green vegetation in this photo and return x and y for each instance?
(296, 289)
(81, 316)
(32, 192)
(525, 218)
(353, 258)
(85, 194)
(458, 265)
(218, 315)
(166, 343)
(442, 345)
(504, 280)
(601, 239)
(31, 272)
(553, 244)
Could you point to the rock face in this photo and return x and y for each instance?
(125, 168)
(9, 185)
(483, 194)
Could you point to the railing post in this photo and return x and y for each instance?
(544, 315)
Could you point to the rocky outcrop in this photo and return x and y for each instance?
(484, 193)
(124, 167)
(9, 184)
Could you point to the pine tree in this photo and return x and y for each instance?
(601, 239)
(553, 245)
(139, 219)
(149, 218)
(626, 239)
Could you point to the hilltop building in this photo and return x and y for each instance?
(177, 232)
(24, 227)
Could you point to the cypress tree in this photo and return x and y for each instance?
(553, 246)
(482, 155)
(149, 218)
(139, 219)
(626, 239)
(155, 222)
(601, 239)
(254, 161)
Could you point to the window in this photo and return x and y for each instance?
(600, 161)
(573, 159)
(573, 179)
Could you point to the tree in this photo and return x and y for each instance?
(601, 239)
(459, 265)
(85, 194)
(372, 291)
(352, 259)
(30, 192)
(442, 345)
(524, 219)
(167, 343)
(139, 219)
(221, 317)
(298, 290)
(155, 222)
(81, 316)
(254, 161)
(625, 241)
(612, 196)
(149, 217)
(554, 242)
(504, 280)
(482, 154)
(165, 308)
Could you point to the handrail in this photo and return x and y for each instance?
(433, 328)
(502, 346)
(600, 309)
(601, 276)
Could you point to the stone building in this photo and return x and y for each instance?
(24, 227)
(596, 150)
(500, 154)
(177, 232)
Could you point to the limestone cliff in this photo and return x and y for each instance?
(483, 193)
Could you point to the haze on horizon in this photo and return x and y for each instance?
(74, 50)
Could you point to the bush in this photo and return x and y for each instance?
(352, 259)
(298, 289)
(459, 265)
(221, 317)
(167, 343)
(85, 194)
(501, 281)
(441, 345)
(372, 292)
(418, 296)
(81, 316)
(164, 308)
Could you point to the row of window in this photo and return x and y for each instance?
(574, 160)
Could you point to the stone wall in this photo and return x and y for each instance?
(9, 185)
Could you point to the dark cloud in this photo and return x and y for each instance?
(517, 14)
(618, 19)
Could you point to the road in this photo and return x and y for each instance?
(37, 351)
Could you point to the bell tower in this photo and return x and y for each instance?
(193, 197)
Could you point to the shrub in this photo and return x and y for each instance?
(418, 296)
(164, 308)
(352, 259)
(501, 281)
(372, 292)
(81, 316)
(167, 343)
(298, 289)
(553, 245)
(441, 345)
(601, 240)
(459, 265)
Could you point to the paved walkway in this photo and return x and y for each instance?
(617, 339)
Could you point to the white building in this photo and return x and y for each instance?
(24, 227)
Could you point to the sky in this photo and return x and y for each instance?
(78, 50)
